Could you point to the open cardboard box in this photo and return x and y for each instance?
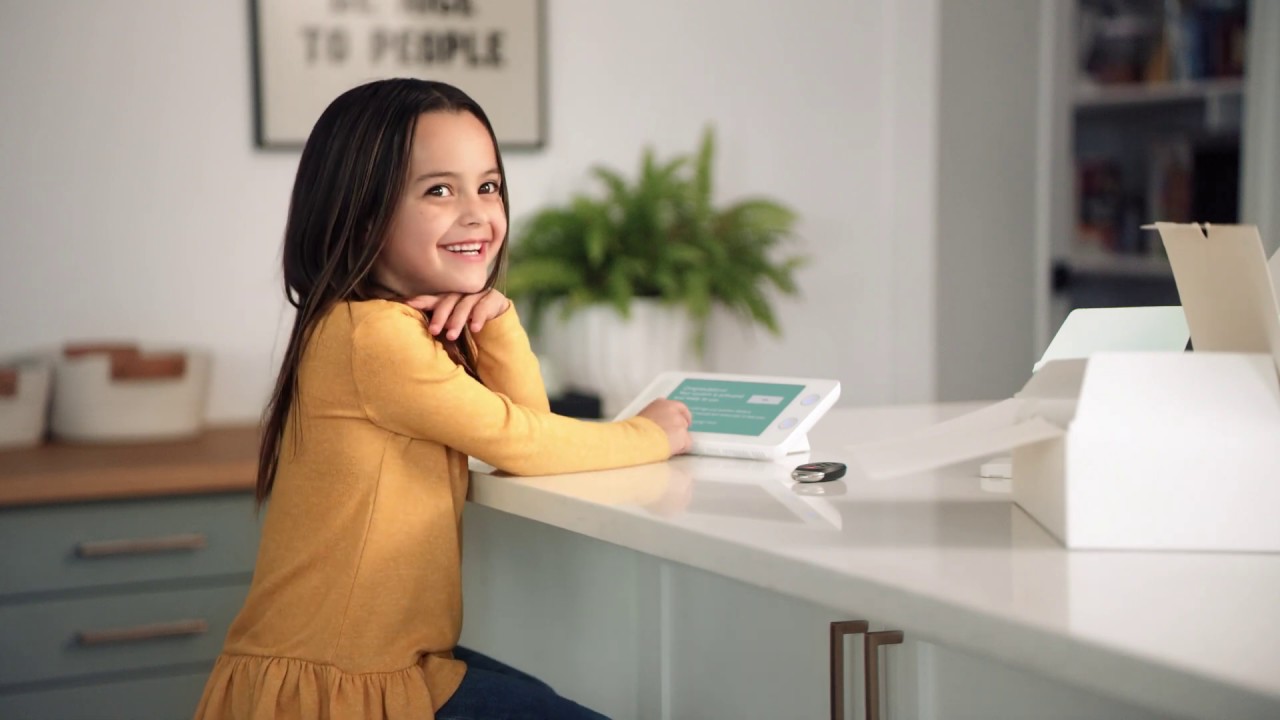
(1165, 451)
(1146, 450)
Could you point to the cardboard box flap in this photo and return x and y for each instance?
(1053, 392)
(989, 431)
(1226, 287)
(1057, 379)
(1273, 266)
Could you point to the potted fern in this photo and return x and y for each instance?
(620, 286)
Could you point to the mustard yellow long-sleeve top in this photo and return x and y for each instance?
(356, 603)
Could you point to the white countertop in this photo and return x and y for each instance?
(945, 556)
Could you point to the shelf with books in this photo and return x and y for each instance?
(1154, 118)
(1095, 263)
(1090, 96)
(1173, 178)
(1168, 45)
(1093, 277)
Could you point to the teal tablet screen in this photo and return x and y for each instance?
(734, 408)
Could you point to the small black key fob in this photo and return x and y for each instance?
(818, 472)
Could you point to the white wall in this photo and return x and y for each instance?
(987, 266)
(1261, 173)
(133, 204)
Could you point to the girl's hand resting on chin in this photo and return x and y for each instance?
(450, 312)
(674, 418)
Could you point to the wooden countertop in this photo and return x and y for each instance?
(220, 460)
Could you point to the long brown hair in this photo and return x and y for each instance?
(350, 178)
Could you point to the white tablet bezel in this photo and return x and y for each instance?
(774, 442)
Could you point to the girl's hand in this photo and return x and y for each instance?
(674, 418)
(450, 312)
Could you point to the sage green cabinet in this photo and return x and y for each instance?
(160, 697)
(117, 609)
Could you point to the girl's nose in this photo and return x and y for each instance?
(472, 214)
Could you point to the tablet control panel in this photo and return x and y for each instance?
(734, 407)
(744, 416)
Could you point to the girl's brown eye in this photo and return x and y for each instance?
(489, 188)
(438, 190)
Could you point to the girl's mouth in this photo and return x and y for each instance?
(472, 249)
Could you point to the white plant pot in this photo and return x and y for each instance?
(23, 415)
(598, 351)
(89, 406)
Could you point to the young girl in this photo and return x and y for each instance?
(404, 360)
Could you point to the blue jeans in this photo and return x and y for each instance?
(493, 691)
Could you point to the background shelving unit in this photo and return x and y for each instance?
(1090, 96)
(1153, 98)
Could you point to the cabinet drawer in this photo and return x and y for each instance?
(166, 697)
(62, 547)
(70, 638)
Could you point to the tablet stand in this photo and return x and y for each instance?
(798, 444)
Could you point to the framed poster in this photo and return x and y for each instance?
(307, 52)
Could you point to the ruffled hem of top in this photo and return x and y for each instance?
(251, 687)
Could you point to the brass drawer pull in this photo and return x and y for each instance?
(871, 664)
(178, 628)
(838, 631)
(144, 546)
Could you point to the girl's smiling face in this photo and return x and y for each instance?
(449, 223)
